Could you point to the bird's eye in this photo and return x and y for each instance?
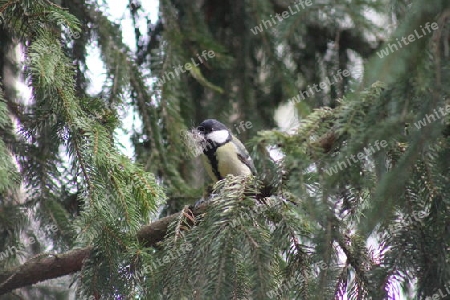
(201, 128)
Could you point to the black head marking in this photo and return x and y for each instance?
(210, 125)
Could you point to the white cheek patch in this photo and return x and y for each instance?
(218, 137)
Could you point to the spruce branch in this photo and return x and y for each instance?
(51, 266)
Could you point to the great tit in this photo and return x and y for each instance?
(223, 153)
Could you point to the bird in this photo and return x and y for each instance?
(223, 153)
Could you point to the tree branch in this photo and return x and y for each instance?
(42, 268)
(49, 266)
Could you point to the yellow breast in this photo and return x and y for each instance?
(228, 162)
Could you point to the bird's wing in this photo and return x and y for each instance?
(243, 155)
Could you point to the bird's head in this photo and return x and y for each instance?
(213, 133)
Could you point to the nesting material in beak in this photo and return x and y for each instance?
(193, 141)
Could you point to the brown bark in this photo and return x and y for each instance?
(49, 266)
(42, 268)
